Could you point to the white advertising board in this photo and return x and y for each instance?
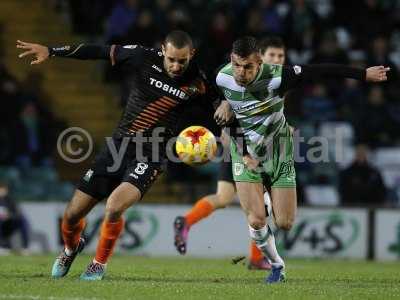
(326, 233)
(149, 231)
(387, 235)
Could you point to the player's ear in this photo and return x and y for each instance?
(163, 49)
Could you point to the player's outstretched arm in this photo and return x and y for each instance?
(82, 51)
(295, 75)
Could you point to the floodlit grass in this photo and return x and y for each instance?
(130, 277)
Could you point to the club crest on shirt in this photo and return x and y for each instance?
(238, 169)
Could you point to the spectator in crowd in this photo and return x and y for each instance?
(375, 127)
(351, 99)
(32, 90)
(202, 11)
(219, 40)
(123, 16)
(160, 15)
(272, 21)
(26, 114)
(179, 18)
(328, 51)
(36, 125)
(378, 54)
(87, 17)
(319, 107)
(144, 31)
(369, 19)
(34, 144)
(301, 25)
(361, 184)
(11, 220)
(11, 101)
(10, 95)
(254, 24)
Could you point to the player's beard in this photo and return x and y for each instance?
(176, 75)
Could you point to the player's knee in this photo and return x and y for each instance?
(113, 213)
(285, 223)
(256, 222)
(71, 216)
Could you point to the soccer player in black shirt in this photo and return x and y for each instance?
(162, 83)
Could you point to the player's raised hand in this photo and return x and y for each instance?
(377, 74)
(39, 52)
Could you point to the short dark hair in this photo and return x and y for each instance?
(179, 39)
(271, 41)
(245, 46)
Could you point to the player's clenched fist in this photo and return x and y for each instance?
(377, 74)
(39, 52)
(223, 114)
(250, 162)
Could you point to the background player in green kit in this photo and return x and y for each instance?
(272, 51)
(255, 92)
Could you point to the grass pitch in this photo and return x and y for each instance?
(130, 277)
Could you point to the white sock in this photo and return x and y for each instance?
(68, 251)
(265, 241)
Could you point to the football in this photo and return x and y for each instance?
(196, 145)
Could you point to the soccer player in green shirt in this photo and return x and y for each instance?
(255, 92)
(272, 51)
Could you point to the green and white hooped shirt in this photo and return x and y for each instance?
(258, 107)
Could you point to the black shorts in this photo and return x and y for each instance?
(225, 171)
(101, 178)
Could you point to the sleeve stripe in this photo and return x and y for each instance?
(76, 50)
(112, 55)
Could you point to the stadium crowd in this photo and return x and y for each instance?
(28, 134)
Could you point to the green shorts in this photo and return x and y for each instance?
(276, 167)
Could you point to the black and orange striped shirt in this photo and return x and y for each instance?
(154, 99)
